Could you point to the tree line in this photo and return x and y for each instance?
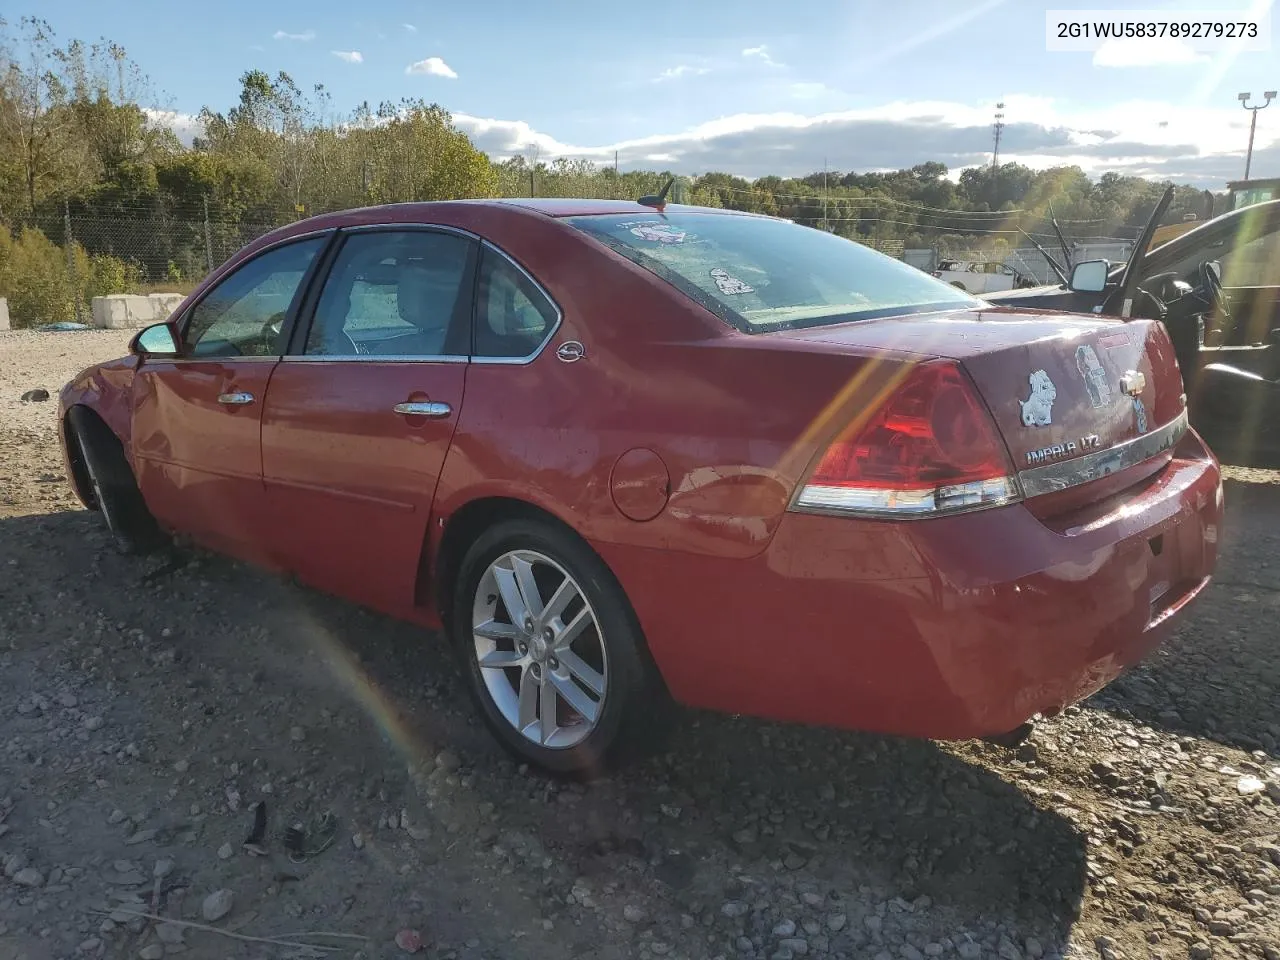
(79, 145)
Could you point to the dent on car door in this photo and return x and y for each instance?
(361, 412)
(197, 417)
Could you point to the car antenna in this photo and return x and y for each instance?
(658, 201)
(1053, 264)
(1062, 241)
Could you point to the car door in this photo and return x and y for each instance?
(361, 411)
(197, 418)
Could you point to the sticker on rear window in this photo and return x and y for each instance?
(729, 284)
(1095, 378)
(658, 233)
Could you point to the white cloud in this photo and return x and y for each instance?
(432, 66)
(304, 37)
(185, 126)
(761, 53)
(683, 70)
(410, 27)
(351, 56)
(1197, 145)
(1156, 52)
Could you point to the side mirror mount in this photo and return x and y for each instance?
(157, 340)
(1090, 276)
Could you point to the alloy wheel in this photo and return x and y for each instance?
(540, 649)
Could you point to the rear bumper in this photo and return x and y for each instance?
(947, 628)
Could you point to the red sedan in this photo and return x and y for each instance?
(622, 453)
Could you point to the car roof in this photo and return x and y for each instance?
(427, 211)
(451, 212)
(570, 207)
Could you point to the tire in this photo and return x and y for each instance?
(619, 705)
(116, 495)
(957, 283)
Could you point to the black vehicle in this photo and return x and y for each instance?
(1217, 289)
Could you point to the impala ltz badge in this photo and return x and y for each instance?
(1059, 450)
(1037, 409)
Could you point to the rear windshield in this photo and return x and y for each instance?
(762, 274)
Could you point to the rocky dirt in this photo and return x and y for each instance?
(147, 705)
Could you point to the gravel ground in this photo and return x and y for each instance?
(147, 705)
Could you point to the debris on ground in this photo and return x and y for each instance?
(140, 719)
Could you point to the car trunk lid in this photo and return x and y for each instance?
(1060, 387)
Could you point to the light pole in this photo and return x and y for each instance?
(1253, 122)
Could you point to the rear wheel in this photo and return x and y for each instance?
(551, 650)
(115, 492)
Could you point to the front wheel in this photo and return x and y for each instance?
(552, 652)
(115, 492)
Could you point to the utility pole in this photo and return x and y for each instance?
(208, 238)
(997, 128)
(615, 175)
(1253, 122)
(824, 193)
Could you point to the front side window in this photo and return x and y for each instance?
(242, 316)
(762, 274)
(395, 293)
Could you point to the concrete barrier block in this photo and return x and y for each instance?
(163, 304)
(4, 314)
(123, 311)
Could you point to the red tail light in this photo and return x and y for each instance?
(931, 448)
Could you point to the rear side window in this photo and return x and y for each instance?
(763, 274)
(513, 316)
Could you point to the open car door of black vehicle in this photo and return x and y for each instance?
(1120, 301)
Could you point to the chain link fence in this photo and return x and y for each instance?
(161, 250)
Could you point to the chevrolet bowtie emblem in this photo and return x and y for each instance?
(1133, 383)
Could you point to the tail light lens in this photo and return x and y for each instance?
(931, 449)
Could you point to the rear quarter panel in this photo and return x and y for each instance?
(736, 419)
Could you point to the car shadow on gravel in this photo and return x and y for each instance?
(862, 834)
(1218, 677)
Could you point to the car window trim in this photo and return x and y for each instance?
(286, 329)
(296, 346)
(538, 287)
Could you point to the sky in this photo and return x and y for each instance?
(743, 86)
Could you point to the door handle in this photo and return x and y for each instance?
(424, 409)
(235, 399)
